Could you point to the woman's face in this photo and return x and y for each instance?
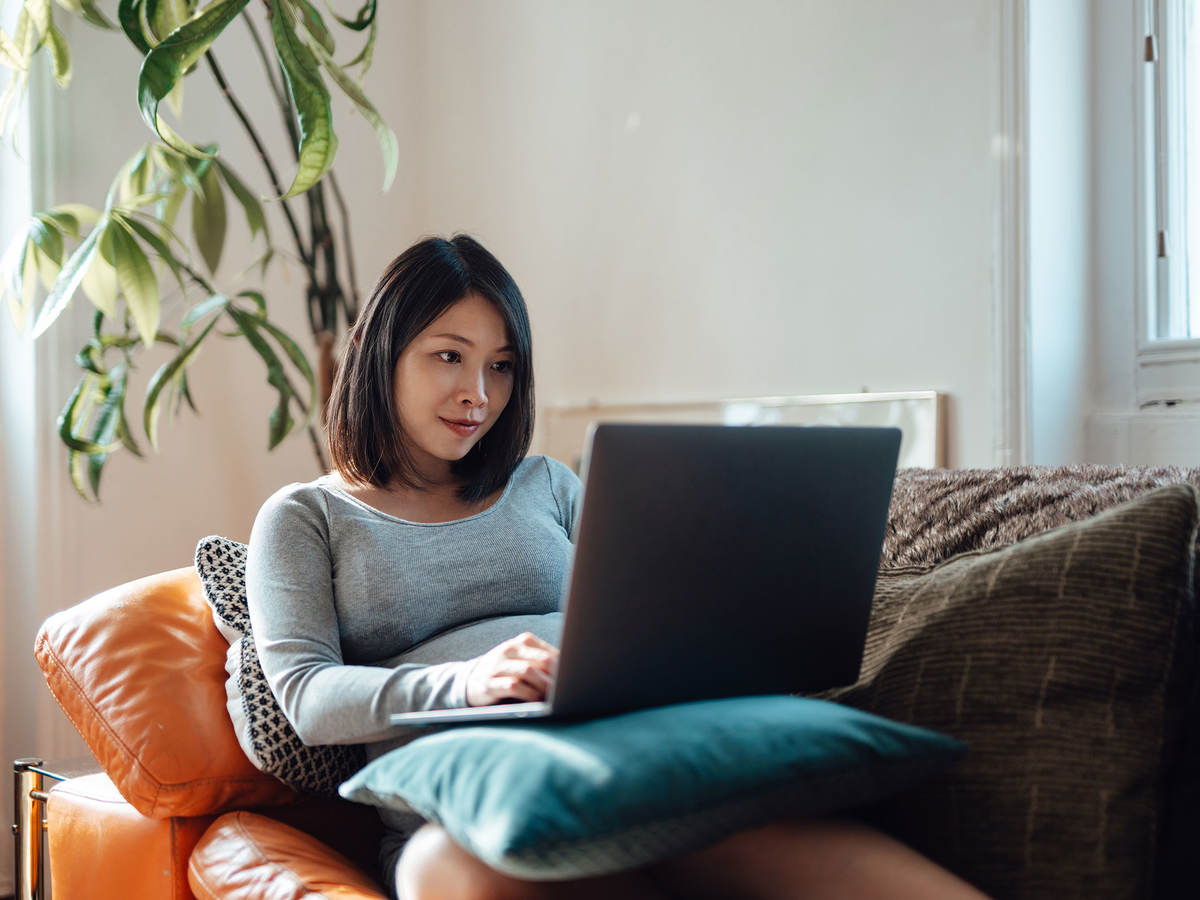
(459, 369)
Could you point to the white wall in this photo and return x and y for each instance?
(1060, 222)
(714, 200)
(698, 200)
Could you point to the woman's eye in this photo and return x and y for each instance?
(504, 366)
(445, 353)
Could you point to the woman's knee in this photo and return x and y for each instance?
(433, 867)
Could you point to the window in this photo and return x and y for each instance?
(1171, 55)
(1168, 197)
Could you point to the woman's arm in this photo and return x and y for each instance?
(289, 590)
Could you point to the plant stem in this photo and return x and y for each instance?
(349, 304)
(262, 153)
(276, 88)
(328, 291)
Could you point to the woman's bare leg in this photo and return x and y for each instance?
(788, 860)
(810, 859)
(433, 867)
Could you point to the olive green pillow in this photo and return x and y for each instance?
(1063, 662)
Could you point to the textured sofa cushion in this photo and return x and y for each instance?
(263, 731)
(138, 671)
(568, 800)
(1059, 660)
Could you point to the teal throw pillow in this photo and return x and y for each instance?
(567, 800)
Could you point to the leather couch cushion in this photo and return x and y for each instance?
(244, 856)
(101, 848)
(140, 672)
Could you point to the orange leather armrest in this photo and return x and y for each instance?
(101, 848)
(244, 856)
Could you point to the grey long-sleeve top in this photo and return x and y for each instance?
(341, 594)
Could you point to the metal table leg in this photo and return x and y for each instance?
(28, 826)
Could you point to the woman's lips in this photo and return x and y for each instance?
(460, 430)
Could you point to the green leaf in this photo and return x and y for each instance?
(74, 416)
(60, 221)
(318, 143)
(168, 209)
(10, 55)
(39, 14)
(208, 219)
(387, 137)
(163, 377)
(71, 215)
(175, 98)
(100, 279)
(45, 234)
(75, 469)
(107, 421)
(60, 54)
(165, 64)
(156, 244)
(47, 268)
(138, 284)
(260, 302)
(365, 17)
(91, 357)
(30, 272)
(280, 423)
(366, 54)
(299, 360)
(176, 164)
(186, 394)
(129, 14)
(69, 279)
(202, 309)
(120, 187)
(135, 175)
(315, 25)
(125, 436)
(139, 200)
(250, 204)
(201, 165)
(166, 16)
(87, 9)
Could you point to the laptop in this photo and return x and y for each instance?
(714, 561)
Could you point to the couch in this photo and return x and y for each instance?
(1046, 616)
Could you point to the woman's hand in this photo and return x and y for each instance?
(521, 668)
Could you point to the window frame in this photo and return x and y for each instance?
(1167, 370)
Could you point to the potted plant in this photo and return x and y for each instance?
(124, 254)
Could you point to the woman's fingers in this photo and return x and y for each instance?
(530, 647)
(521, 668)
(511, 687)
(528, 672)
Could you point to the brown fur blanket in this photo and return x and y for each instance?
(937, 513)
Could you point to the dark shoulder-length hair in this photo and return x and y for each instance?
(366, 441)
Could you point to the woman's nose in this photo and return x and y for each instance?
(474, 390)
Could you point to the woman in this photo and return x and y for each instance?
(397, 582)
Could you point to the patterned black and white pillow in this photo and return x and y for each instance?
(263, 731)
